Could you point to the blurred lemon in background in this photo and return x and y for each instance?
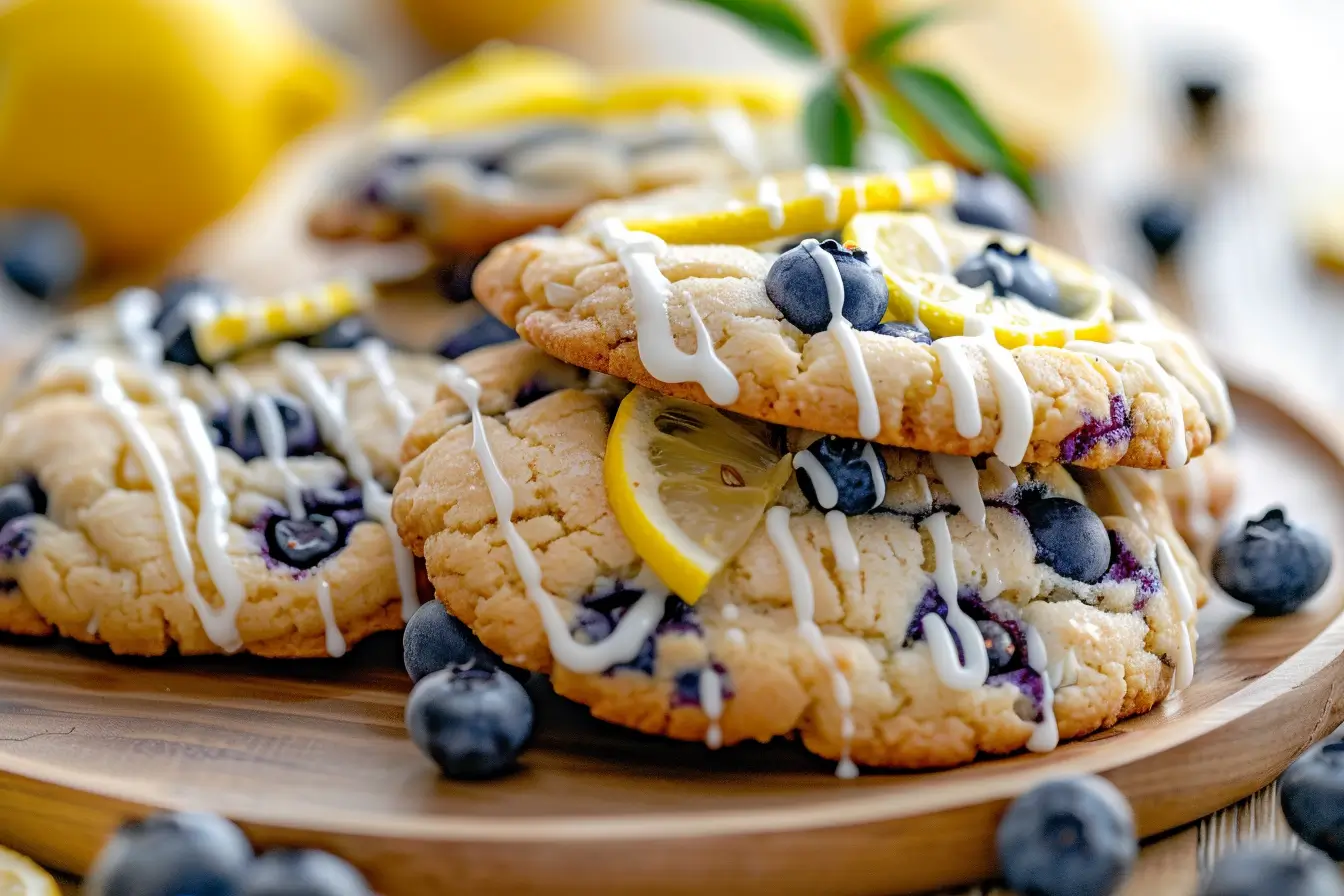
(144, 120)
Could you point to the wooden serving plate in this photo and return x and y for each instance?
(314, 753)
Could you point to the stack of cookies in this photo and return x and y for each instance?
(787, 459)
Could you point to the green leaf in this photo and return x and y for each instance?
(831, 124)
(776, 21)
(948, 109)
(886, 39)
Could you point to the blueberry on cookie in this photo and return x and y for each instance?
(1012, 274)
(804, 282)
(848, 475)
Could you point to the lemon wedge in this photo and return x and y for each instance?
(21, 876)
(920, 255)
(809, 201)
(688, 485)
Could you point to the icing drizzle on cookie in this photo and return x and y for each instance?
(633, 629)
(1016, 419)
(842, 331)
(959, 675)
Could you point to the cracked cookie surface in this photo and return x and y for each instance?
(739, 664)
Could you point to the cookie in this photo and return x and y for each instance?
(1200, 496)
(740, 328)
(831, 628)
(241, 507)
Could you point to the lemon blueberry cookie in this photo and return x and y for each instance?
(700, 575)
(210, 473)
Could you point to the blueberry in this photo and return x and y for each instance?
(487, 330)
(914, 332)
(1312, 794)
(848, 462)
(21, 499)
(42, 254)
(1069, 837)
(1271, 565)
(303, 872)
(1162, 224)
(999, 645)
(454, 278)
(179, 297)
(1019, 275)
(238, 431)
(1262, 869)
(347, 332)
(992, 201)
(434, 640)
(303, 543)
(1069, 537)
(796, 285)
(171, 854)
(473, 722)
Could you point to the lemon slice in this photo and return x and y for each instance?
(919, 256)
(21, 876)
(688, 484)
(810, 201)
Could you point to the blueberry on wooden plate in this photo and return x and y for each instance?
(1267, 870)
(303, 872)
(1069, 837)
(796, 283)
(171, 854)
(1312, 795)
(1270, 564)
(473, 722)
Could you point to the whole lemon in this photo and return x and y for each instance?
(144, 120)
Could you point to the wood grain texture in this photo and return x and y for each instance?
(314, 754)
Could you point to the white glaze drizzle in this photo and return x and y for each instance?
(736, 636)
(1194, 482)
(804, 608)
(768, 198)
(1172, 348)
(960, 676)
(1045, 736)
(730, 612)
(1016, 419)
(842, 542)
(823, 486)
(1003, 474)
(374, 353)
(859, 184)
(843, 332)
(737, 136)
(1119, 353)
(819, 183)
(625, 641)
(925, 492)
(962, 479)
(335, 640)
(869, 456)
(649, 291)
(711, 701)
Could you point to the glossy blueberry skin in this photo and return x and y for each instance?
(1019, 275)
(21, 499)
(1068, 837)
(472, 722)
(1271, 565)
(999, 645)
(914, 332)
(301, 434)
(347, 332)
(303, 543)
(303, 872)
(853, 477)
(1069, 537)
(797, 287)
(173, 321)
(171, 854)
(1266, 870)
(42, 254)
(488, 330)
(992, 201)
(434, 640)
(1311, 792)
(1162, 223)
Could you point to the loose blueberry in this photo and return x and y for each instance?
(303, 872)
(992, 201)
(172, 854)
(487, 330)
(303, 543)
(999, 645)
(1069, 837)
(21, 499)
(1162, 224)
(347, 332)
(847, 462)
(42, 254)
(1312, 795)
(472, 722)
(1264, 869)
(914, 332)
(1271, 565)
(434, 640)
(1069, 537)
(1018, 275)
(796, 285)
(239, 431)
